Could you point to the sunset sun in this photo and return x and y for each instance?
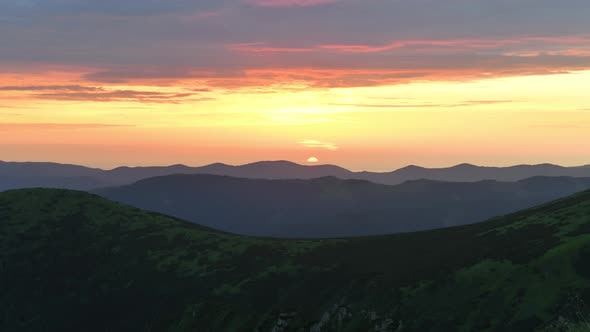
(312, 160)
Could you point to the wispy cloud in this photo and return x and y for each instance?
(485, 102)
(425, 105)
(569, 45)
(318, 43)
(100, 94)
(144, 74)
(291, 3)
(314, 144)
(117, 96)
(458, 44)
(463, 43)
(57, 126)
(203, 15)
(49, 88)
(263, 48)
(11, 107)
(558, 126)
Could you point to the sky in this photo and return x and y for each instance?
(365, 84)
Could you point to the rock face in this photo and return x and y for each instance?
(332, 319)
(339, 315)
(385, 325)
(283, 322)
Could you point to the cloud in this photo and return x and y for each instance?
(389, 105)
(161, 75)
(11, 107)
(57, 126)
(117, 96)
(425, 105)
(101, 94)
(558, 126)
(263, 48)
(203, 15)
(113, 7)
(460, 44)
(485, 102)
(201, 90)
(353, 43)
(262, 65)
(49, 87)
(318, 145)
(144, 74)
(291, 3)
(273, 67)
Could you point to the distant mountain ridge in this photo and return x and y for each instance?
(53, 174)
(332, 207)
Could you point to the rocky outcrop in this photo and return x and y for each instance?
(282, 323)
(335, 319)
(332, 319)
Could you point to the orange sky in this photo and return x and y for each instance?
(529, 119)
(179, 82)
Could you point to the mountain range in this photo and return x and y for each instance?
(14, 175)
(330, 207)
(72, 261)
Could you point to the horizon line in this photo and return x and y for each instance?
(293, 163)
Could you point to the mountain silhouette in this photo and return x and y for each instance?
(331, 207)
(26, 175)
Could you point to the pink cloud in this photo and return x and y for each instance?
(291, 3)
(460, 43)
(359, 48)
(571, 52)
(263, 48)
(457, 43)
(530, 45)
(203, 15)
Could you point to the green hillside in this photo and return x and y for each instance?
(71, 261)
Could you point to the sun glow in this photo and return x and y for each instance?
(429, 123)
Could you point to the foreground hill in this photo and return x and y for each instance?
(330, 207)
(15, 175)
(71, 261)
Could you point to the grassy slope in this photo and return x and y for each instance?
(71, 261)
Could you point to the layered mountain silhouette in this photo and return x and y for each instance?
(331, 207)
(72, 261)
(14, 175)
